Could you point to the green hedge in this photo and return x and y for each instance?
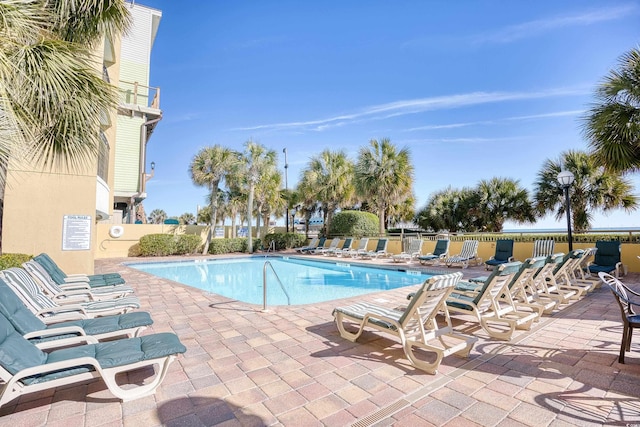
(169, 244)
(354, 223)
(285, 240)
(13, 260)
(227, 246)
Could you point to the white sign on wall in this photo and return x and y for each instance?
(76, 233)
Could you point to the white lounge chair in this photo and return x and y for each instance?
(491, 303)
(468, 254)
(361, 249)
(415, 326)
(412, 253)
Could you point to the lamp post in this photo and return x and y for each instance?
(286, 186)
(566, 178)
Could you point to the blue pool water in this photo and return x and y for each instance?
(305, 281)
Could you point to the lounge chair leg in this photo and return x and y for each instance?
(431, 368)
(109, 377)
(343, 332)
(497, 333)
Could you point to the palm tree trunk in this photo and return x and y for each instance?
(212, 220)
(250, 217)
(381, 215)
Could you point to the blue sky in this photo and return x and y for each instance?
(474, 89)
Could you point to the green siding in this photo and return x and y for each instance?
(131, 72)
(127, 154)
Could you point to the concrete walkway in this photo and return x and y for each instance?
(290, 367)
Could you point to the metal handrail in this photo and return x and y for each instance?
(264, 285)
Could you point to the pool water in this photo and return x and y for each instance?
(305, 281)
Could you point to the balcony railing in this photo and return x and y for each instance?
(139, 94)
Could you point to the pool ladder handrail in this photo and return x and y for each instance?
(264, 285)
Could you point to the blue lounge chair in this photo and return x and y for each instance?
(36, 331)
(440, 252)
(379, 251)
(61, 278)
(309, 248)
(492, 304)
(25, 368)
(607, 258)
(504, 254)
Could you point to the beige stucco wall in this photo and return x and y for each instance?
(34, 208)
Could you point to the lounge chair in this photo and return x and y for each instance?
(312, 245)
(362, 248)
(630, 319)
(61, 278)
(524, 292)
(412, 253)
(414, 326)
(346, 246)
(33, 329)
(607, 258)
(320, 244)
(379, 251)
(25, 368)
(332, 246)
(491, 304)
(467, 255)
(580, 273)
(440, 252)
(551, 286)
(50, 311)
(77, 292)
(503, 255)
(543, 247)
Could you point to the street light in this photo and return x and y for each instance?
(566, 178)
(286, 186)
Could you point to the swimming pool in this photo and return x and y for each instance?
(305, 281)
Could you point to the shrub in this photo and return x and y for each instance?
(285, 240)
(157, 245)
(226, 246)
(354, 223)
(187, 244)
(13, 260)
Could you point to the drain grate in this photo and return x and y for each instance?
(382, 414)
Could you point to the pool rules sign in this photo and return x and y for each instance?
(76, 233)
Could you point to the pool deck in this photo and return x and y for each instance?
(289, 366)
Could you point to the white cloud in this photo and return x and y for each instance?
(414, 106)
(533, 28)
(490, 122)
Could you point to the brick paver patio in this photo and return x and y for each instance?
(289, 366)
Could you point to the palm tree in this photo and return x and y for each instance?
(383, 176)
(449, 210)
(308, 202)
(256, 162)
(157, 216)
(51, 96)
(329, 176)
(499, 199)
(613, 124)
(208, 168)
(594, 188)
(268, 196)
(186, 218)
